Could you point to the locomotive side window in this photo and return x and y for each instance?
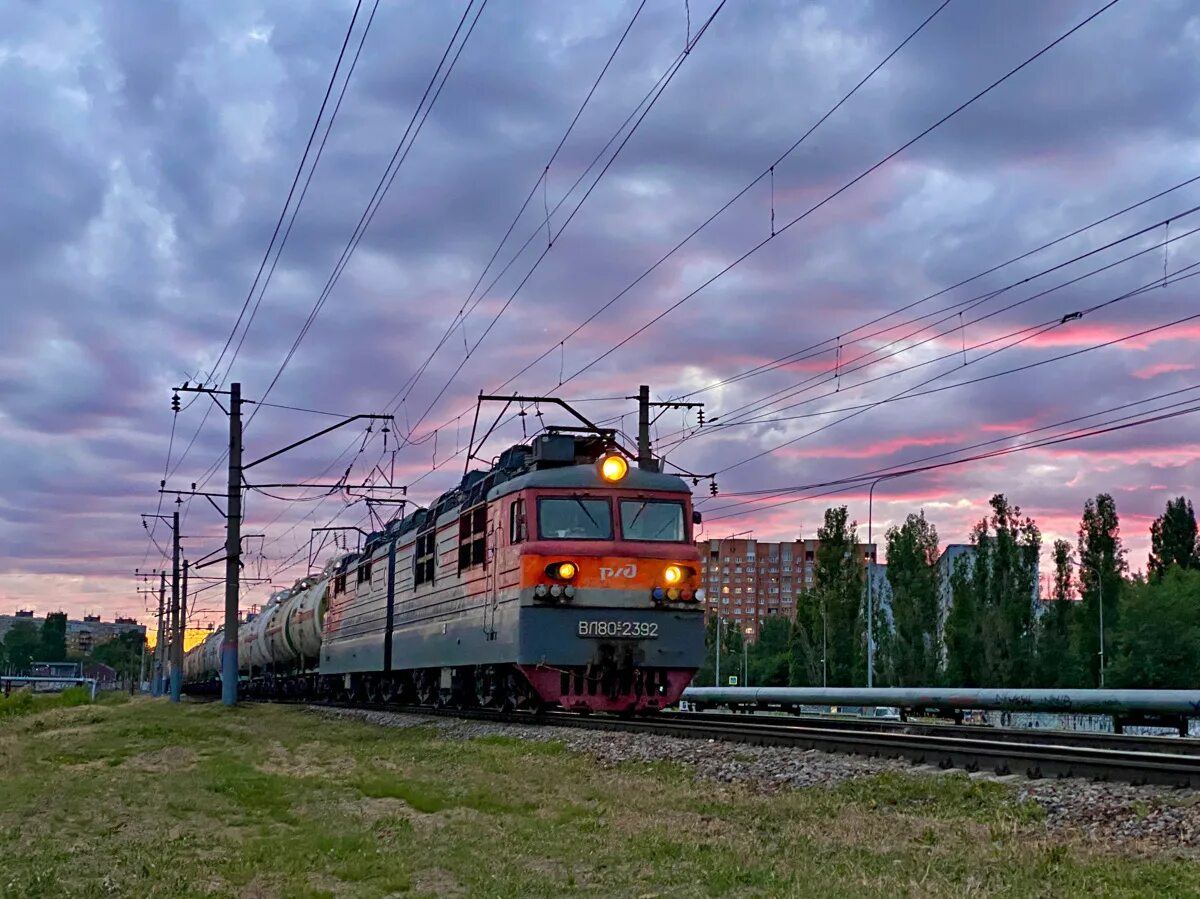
(517, 528)
(472, 537)
(425, 558)
(659, 520)
(574, 518)
(364, 571)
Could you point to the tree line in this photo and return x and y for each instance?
(26, 642)
(995, 632)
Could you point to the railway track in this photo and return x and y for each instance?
(1035, 754)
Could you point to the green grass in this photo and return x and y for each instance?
(152, 800)
(25, 701)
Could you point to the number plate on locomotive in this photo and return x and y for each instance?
(620, 630)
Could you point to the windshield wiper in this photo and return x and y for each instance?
(594, 522)
(638, 515)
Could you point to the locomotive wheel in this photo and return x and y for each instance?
(387, 690)
(489, 688)
(428, 688)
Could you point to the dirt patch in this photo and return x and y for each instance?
(169, 758)
(372, 809)
(438, 882)
(306, 760)
(257, 889)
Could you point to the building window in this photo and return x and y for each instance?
(518, 530)
(425, 558)
(472, 537)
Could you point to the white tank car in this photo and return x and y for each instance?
(211, 657)
(246, 640)
(257, 643)
(304, 617)
(275, 647)
(203, 661)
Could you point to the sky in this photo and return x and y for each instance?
(148, 150)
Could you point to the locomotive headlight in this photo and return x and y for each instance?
(613, 468)
(562, 571)
(673, 574)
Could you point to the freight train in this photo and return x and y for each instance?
(562, 576)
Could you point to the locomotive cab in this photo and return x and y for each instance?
(611, 614)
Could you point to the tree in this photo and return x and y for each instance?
(1159, 633)
(22, 644)
(964, 630)
(54, 638)
(1173, 539)
(834, 607)
(706, 674)
(123, 654)
(989, 631)
(769, 653)
(732, 645)
(912, 551)
(806, 639)
(1102, 567)
(1057, 665)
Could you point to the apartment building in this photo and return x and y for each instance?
(747, 580)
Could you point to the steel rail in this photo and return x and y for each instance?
(1032, 754)
(1172, 745)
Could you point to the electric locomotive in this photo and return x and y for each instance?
(561, 576)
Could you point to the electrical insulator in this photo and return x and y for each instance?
(712, 488)
(175, 402)
(701, 413)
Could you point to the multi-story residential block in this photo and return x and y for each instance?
(747, 580)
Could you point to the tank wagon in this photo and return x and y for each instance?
(561, 576)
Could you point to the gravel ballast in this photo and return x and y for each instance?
(1145, 818)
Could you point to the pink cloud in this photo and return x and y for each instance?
(1161, 368)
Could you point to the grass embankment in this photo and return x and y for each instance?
(25, 701)
(148, 799)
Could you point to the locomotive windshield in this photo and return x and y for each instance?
(574, 518)
(660, 520)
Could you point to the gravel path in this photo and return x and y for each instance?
(1145, 818)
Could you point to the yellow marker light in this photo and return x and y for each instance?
(567, 570)
(673, 574)
(613, 468)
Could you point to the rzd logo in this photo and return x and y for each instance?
(626, 571)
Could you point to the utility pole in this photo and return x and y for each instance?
(233, 549)
(175, 649)
(160, 640)
(645, 458)
(183, 603)
(645, 454)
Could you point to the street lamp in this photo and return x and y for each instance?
(748, 632)
(1099, 589)
(824, 646)
(717, 647)
(717, 652)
